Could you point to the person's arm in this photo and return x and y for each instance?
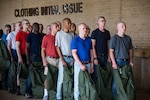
(27, 52)
(131, 57)
(61, 56)
(111, 52)
(92, 59)
(9, 49)
(109, 60)
(43, 54)
(75, 56)
(18, 52)
(94, 52)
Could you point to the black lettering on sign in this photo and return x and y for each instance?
(72, 8)
(50, 10)
(16, 13)
(26, 12)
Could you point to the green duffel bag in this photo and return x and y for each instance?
(51, 80)
(68, 81)
(4, 53)
(104, 82)
(22, 86)
(22, 71)
(13, 75)
(37, 79)
(87, 88)
(4, 64)
(124, 83)
(4, 57)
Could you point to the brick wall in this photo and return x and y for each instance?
(134, 12)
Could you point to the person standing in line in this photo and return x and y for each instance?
(120, 51)
(7, 30)
(63, 41)
(21, 53)
(100, 42)
(73, 29)
(83, 54)
(30, 29)
(34, 40)
(49, 53)
(12, 27)
(11, 40)
(41, 29)
(59, 25)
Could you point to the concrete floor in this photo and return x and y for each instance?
(4, 95)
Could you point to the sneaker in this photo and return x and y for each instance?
(45, 97)
(27, 95)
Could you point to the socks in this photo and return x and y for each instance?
(45, 92)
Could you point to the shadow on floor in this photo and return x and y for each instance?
(4, 95)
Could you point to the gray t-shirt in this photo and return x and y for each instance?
(121, 46)
(63, 41)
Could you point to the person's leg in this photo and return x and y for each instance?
(45, 97)
(9, 84)
(14, 54)
(120, 63)
(60, 80)
(18, 80)
(76, 81)
(102, 60)
(88, 67)
(28, 85)
(114, 90)
(94, 76)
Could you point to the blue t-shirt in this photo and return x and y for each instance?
(101, 40)
(83, 48)
(35, 41)
(4, 36)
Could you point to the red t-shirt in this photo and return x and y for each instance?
(48, 43)
(21, 37)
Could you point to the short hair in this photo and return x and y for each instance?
(7, 26)
(17, 22)
(1, 33)
(24, 20)
(121, 23)
(67, 19)
(73, 24)
(101, 17)
(48, 26)
(81, 24)
(35, 23)
(41, 24)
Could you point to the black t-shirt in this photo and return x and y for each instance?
(101, 40)
(35, 41)
(121, 46)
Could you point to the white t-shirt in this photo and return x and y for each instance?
(12, 37)
(63, 41)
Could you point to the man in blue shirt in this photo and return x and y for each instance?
(7, 30)
(82, 52)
